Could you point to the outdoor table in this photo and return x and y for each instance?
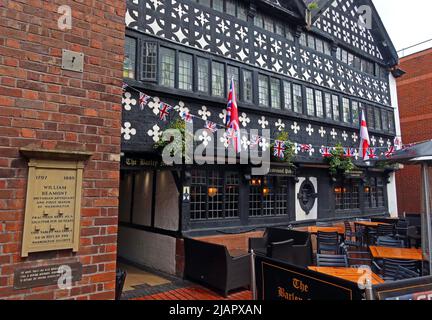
(350, 274)
(315, 229)
(396, 253)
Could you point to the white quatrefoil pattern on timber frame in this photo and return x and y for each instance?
(155, 133)
(128, 131)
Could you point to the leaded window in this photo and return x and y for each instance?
(214, 194)
(247, 86)
(370, 117)
(149, 61)
(205, 2)
(275, 93)
(218, 79)
(259, 21)
(319, 104)
(355, 112)
(230, 7)
(242, 11)
(384, 116)
(346, 110)
(203, 75)
(336, 113)
(374, 193)
(233, 73)
(129, 63)
(287, 95)
(391, 123)
(310, 105)
(378, 125)
(347, 194)
(268, 196)
(167, 72)
(263, 90)
(297, 98)
(268, 24)
(185, 71)
(328, 105)
(279, 28)
(218, 5)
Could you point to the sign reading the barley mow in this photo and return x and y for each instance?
(52, 213)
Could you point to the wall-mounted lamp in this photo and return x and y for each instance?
(265, 191)
(255, 182)
(212, 191)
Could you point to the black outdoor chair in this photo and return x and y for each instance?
(291, 246)
(212, 265)
(352, 238)
(328, 241)
(385, 230)
(331, 260)
(404, 273)
(402, 231)
(356, 258)
(389, 269)
(120, 281)
(390, 242)
(414, 236)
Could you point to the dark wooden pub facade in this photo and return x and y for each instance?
(306, 72)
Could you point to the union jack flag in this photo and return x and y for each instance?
(349, 152)
(389, 152)
(305, 147)
(255, 140)
(143, 99)
(325, 151)
(164, 110)
(211, 126)
(279, 149)
(232, 120)
(186, 116)
(371, 153)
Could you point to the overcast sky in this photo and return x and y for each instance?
(407, 21)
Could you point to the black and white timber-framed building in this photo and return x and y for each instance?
(306, 72)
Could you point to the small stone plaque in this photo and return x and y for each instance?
(46, 275)
(73, 61)
(53, 204)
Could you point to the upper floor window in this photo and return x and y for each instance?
(370, 117)
(263, 90)
(355, 112)
(129, 63)
(354, 61)
(319, 104)
(328, 105)
(185, 71)
(346, 110)
(287, 95)
(149, 61)
(310, 105)
(247, 86)
(275, 93)
(268, 24)
(167, 72)
(297, 98)
(203, 74)
(384, 118)
(242, 11)
(233, 73)
(315, 43)
(336, 112)
(391, 123)
(259, 20)
(378, 124)
(204, 2)
(218, 79)
(218, 5)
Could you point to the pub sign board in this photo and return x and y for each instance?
(53, 204)
(409, 289)
(276, 280)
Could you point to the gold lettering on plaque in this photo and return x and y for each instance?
(53, 204)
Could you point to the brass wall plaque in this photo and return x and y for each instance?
(52, 213)
(45, 275)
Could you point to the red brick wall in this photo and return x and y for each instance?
(43, 105)
(415, 108)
